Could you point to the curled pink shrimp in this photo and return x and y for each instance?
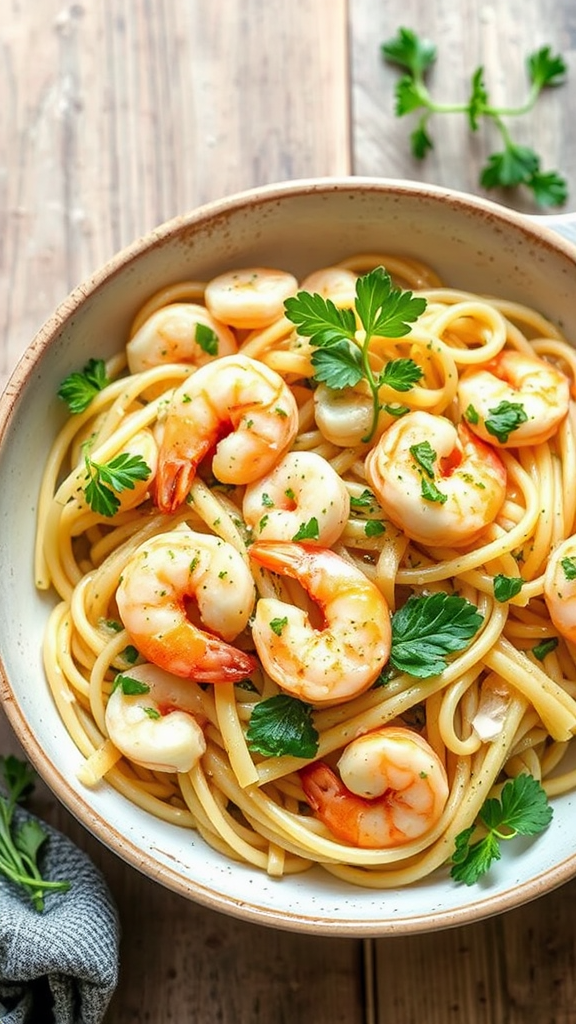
(436, 481)
(342, 658)
(161, 577)
(392, 789)
(236, 406)
(533, 388)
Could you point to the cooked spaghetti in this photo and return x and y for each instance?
(242, 541)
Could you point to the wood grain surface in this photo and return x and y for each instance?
(116, 115)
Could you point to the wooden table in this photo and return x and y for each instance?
(114, 116)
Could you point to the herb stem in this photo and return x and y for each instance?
(486, 110)
(524, 108)
(20, 842)
(446, 108)
(373, 385)
(518, 164)
(33, 883)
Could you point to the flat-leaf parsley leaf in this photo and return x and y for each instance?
(522, 809)
(308, 531)
(428, 628)
(129, 685)
(513, 166)
(504, 419)
(80, 387)
(105, 480)
(206, 338)
(569, 567)
(506, 587)
(545, 647)
(282, 725)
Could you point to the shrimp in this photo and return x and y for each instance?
(334, 663)
(336, 283)
(437, 482)
(302, 495)
(249, 298)
(343, 417)
(560, 588)
(234, 396)
(182, 332)
(158, 583)
(392, 789)
(531, 394)
(157, 724)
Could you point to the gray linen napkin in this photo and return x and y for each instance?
(61, 964)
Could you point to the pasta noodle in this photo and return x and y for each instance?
(500, 704)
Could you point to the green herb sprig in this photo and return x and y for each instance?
(206, 338)
(514, 165)
(522, 810)
(309, 530)
(569, 567)
(428, 628)
(20, 843)
(105, 480)
(341, 359)
(129, 686)
(283, 725)
(80, 387)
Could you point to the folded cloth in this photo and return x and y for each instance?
(60, 964)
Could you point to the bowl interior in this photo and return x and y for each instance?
(301, 226)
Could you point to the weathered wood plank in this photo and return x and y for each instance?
(138, 111)
(498, 36)
(510, 969)
(115, 116)
(455, 975)
(518, 967)
(539, 950)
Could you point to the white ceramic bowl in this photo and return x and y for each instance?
(300, 226)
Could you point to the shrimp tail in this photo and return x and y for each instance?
(173, 482)
(223, 663)
(204, 659)
(181, 452)
(320, 784)
(284, 557)
(330, 800)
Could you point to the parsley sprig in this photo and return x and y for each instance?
(569, 567)
(341, 360)
(105, 480)
(429, 627)
(514, 165)
(522, 810)
(80, 387)
(20, 843)
(504, 419)
(282, 725)
(501, 421)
